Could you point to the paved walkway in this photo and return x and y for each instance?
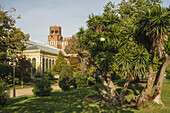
(27, 91)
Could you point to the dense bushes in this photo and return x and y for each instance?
(4, 94)
(42, 87)
(66, 78)
(80, 80)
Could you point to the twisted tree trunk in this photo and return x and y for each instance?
(144, 95)
(22, 80)
(157, 94)
(122, 94)
(110, 94)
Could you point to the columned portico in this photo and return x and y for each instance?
(41, 56)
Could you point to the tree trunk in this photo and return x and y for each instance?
(143, 96)
(110, 94)
(122, 94)
(158, 89)
(22, 80)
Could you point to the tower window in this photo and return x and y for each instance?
(61, 38)
(56, 31)
(52, 32)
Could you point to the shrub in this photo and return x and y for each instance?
(48, 75)
(80, 80)
(17, 81)
(41, 87)
(65, 78)
(4, 94)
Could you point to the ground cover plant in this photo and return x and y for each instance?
(84, 100)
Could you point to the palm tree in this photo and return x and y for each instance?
(153, 31)
(124, 60)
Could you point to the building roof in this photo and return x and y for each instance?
(33, 45)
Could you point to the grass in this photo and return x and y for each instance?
(19, 86)
(84, 100)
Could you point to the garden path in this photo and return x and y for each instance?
(27, 91)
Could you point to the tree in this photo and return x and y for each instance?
(102, 41)
(22, 66)
(74, 64)
(154, 27)
(11, 38)
(60, 63)
(66, 78)
(110, 37)
(73, 48)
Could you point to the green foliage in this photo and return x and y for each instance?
(3, 56)
(66, 78)
(4, 94)
(80, 80)
(11, 38)
(5, 71)
(59, 63)
(98, 86)
(153, 28)
(41, 87)
(115, 76)
(48, 74)
(74, 64)
(17, 81)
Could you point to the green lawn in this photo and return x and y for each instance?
(84, 100)
(19, 86)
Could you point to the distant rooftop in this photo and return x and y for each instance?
(33, 45)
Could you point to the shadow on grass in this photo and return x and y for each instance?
(135, 87)
(83, 100)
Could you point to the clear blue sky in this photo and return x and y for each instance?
(38, 15)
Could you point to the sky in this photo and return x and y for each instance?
(38, 15)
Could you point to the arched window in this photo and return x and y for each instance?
(46, 64)
(34, 65)
(50, 64)
(43, 65)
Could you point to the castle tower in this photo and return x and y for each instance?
(55, 38)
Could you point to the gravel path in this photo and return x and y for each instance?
(26, 91)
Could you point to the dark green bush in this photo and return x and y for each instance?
(17, 81)
(4, 94)
(48, 75)
(66, 78)
(80, 80)
(41, 87)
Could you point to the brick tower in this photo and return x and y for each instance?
(55, 39)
